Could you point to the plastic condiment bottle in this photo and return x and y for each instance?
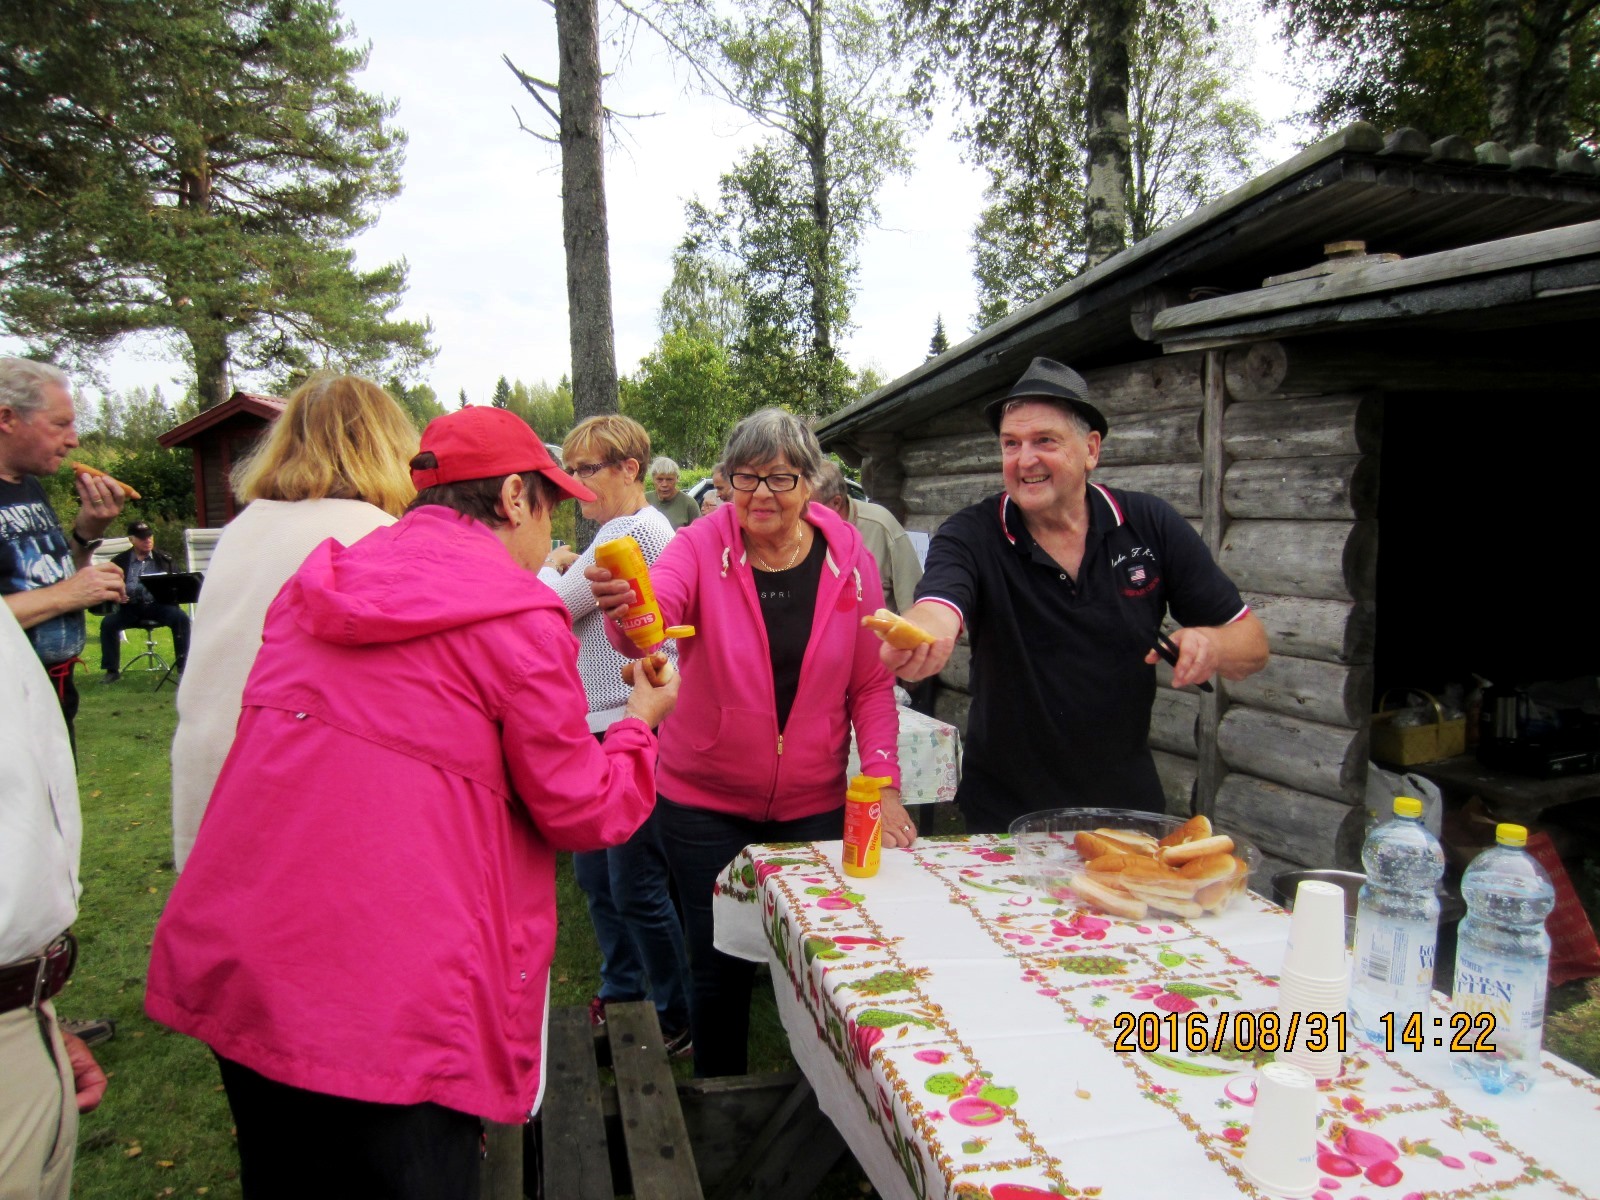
(642, 622)
(863, 825)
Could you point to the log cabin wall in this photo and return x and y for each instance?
(1283, 487)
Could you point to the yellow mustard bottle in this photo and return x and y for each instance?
(642, 622)
(863, 825)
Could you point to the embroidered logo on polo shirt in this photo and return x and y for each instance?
(1139, 571)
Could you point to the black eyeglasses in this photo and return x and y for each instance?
(590, 470)
(742, 482)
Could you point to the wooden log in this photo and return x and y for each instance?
(1176, 483)
(964, 420)
(1324, 560)
(1329, 364)
(927, 523)
(1335, 631)
(1163, 437)
(1177, 781)
(947, 493)
(1303, 428)
(1332, 488)
(1151, 303)
(1147, 386)
(1172, 722)
(883, 470)
(1326, 760)
(1298, 827)
(1270, 865)
(955, 454)
(1214, 467)
(952, 707)
(1303, 687)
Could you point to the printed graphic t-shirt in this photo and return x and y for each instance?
(34, 553)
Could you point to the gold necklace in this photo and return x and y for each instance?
(761, 561)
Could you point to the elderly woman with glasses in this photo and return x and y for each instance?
(630, 902)
(778, 673)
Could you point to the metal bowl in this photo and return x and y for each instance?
(1049, 860)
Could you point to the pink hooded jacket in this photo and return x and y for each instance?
(721, 748)
(370, 909)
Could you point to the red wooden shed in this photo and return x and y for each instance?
(220, 436)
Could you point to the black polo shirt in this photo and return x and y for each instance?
(1061, 694)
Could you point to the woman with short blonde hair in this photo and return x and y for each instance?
(334, 465)
(341, 437)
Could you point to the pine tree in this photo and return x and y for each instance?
(502, 393)
(940, 342)
(199, 169)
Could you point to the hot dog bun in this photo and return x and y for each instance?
(897, 631)
(1092, 845)
(658, 669)
(1219, 843)
(1106, 900)
(1130, 840)
(83, 468)
(1192, 830)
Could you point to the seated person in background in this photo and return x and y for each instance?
(665, 497)
(141, 560)
(885, 537)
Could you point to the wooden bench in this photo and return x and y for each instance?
(615, 1123)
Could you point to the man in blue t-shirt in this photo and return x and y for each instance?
(1062, 586)
(47, 574)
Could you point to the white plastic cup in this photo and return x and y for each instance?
(1328, 994)
(1316, 949)
(1280, 1155)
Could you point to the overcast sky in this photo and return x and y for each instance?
(479, 220)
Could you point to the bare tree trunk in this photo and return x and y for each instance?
(1110, 33)
(583, 211)
(1502, 73)
(1550, 74)
(821, 256)
(209, 345)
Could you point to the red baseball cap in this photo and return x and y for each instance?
(478, 442)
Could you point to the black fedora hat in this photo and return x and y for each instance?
(1046, 379)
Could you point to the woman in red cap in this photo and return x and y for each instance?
(364, 930)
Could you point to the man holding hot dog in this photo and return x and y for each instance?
(47, 575)
(1062, 585)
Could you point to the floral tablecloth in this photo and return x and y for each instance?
(930, 758)
(960, 1030)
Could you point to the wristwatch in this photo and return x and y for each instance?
(91, 544)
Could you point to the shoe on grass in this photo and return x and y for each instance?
(113, 676)
(680, 1044)
(92, 1030)
(597, 1011)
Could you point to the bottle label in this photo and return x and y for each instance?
(863, 828)
(1394, 958)
(1511, 990)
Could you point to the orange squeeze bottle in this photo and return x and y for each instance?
(642, 622)
(863, 825)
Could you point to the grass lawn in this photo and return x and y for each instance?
(164, 1129)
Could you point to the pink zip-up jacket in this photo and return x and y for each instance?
(721, 748)
(370, 909)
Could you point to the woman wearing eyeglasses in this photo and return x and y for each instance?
(777, 674)
(630, 904)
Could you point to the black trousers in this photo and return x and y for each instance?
(300, 1145)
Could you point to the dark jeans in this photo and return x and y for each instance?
(127, 616)
(636, 924)
(300, 1145)
(699, 844)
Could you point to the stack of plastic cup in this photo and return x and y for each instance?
(1315, 979)
(1281, 1154)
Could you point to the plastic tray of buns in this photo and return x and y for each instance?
(1133, 865)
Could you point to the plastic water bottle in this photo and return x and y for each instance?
(1502, 962)
(1397, 929)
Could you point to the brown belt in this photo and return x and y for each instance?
(29, 983)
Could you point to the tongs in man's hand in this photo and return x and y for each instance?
(1166, 648)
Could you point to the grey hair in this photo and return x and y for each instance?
(1074, 420)
(828, 484)
(773, 433)
(23, 380)
(663, 466)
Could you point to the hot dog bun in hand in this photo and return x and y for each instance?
(897, 631)
(128, 490)
(658, 670)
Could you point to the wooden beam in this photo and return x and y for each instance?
(1321, 560)
(1172, 722)
(1158, 437)
(573, 1131)
(1303, 687)
(1305, 428)
(1296, 826)
(1176, 483)
(1177, 773)
(660, 1159)
(1326, 760)
(1328, 488)
(1335, 631)
(1213, 524)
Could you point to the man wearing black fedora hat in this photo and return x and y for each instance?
(1062, 585)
